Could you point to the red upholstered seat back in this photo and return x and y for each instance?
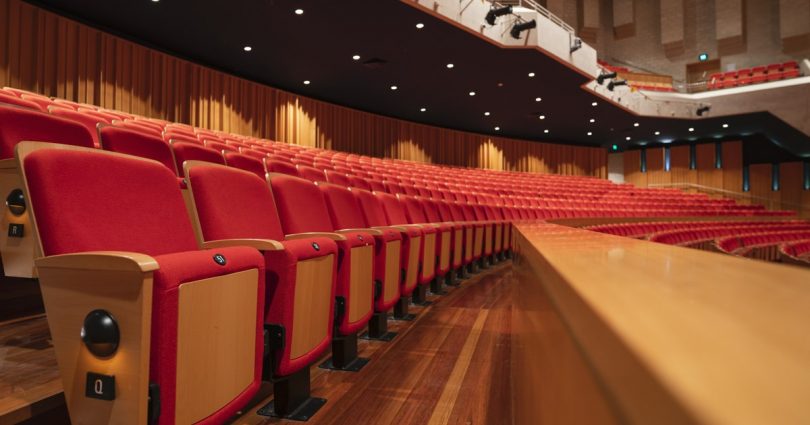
(344, 209)
(301, 205)
(413, 209)
(190, 152)
(431, 211)
(19, 124)
(8, 99)
(233, 204)
(311, 173)
(283, 167)
(96, 201)
(133, 142)
(373, 211)
(89, 121)
(444, 211)
(338, 178)
(394, 211)
(244, 162)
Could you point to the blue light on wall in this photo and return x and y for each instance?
(718, 155)
(806, 175)
(746, 179)
(703, 57)
(775, 177)
(692, 157)
(666, 158)
(644, 160)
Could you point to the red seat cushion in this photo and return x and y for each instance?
(133, 142)
(19, 124)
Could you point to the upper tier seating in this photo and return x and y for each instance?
(755, 75)
(109, 250)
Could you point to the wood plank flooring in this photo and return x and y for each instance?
(449, 366)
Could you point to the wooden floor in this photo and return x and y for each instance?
(449, 366)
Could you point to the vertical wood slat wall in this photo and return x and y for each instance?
(790, 196)
(52, 55)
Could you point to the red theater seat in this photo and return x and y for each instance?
(7, 99)
(132, 142)
(347, 215)
(278, 166)
(302, 209)
(90, 122)
(415, 213)
(235, 207)
(183, 152)
(244, 162)
(111, 253)
(311, 173)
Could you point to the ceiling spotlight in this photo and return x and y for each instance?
(545, 131)
(155, 1)
(635, 124)
(576, 44)
(247, 48)
(602, 77)
(486, 114)
(472, 93)
(531, 75)
(613, 84)
(538, 99)
(657, 133)
(691, 129)
(725, 125)
(420, 25)
(394, 87)
(627, 138)
(519, 28)
(422, 109)
(356, 57)
(592, 120)
(542, 117)
(497, 129)
(590, 134)
(306, 82)
(594, 104)
(299, 11)
(493, 14)
(450, 66)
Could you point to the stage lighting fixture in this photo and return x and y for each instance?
(605, 76)
(576, 44)
(702, 110)
(615, 83)
(493, 14)
(518, 28)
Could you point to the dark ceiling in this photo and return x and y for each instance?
(318, 46)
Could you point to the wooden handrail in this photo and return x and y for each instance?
(726, 193)
(636, 332)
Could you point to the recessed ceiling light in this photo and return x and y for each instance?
(725, 125)
(423, 109)
(486, 114)
(592, 120)
(497, 129)
(155, 1)
(299, 11)
(657, 133)
(590, 134)
(420, 25)
(538, 99)
(394, 87)
(627, 138)
(306, 82)
(472, 93)
(356, 57)
(247, 48)
(531, 75)
(691, 129)
(545, 131)
(450, 66)
(635, 124)
(542, 117)
(594, 104)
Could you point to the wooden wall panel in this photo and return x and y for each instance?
(655, 167)
(679, 162)
(790, 179)
(52, 55)
(761, 190)
(707, 174)
(732, 166)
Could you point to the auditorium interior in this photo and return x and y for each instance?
(405, 212)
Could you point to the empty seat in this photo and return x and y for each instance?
(302, 209)
(111, 256)
(183, 152)
(91, 122)
(7, 99)
(244, 162)
(311, 173)
(283, 167)
(414, 211)
(346, 214)
(133, 142)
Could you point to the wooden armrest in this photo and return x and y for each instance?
(260, 244)
(376, 232)
(397, 228)
(308, 235)
(6, 164)
(100, 260)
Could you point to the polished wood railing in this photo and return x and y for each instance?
(618, 330)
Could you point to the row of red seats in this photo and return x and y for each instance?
(755, 75)
(797, 252)
(741, 244)
(693, 236)
(645, 229)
